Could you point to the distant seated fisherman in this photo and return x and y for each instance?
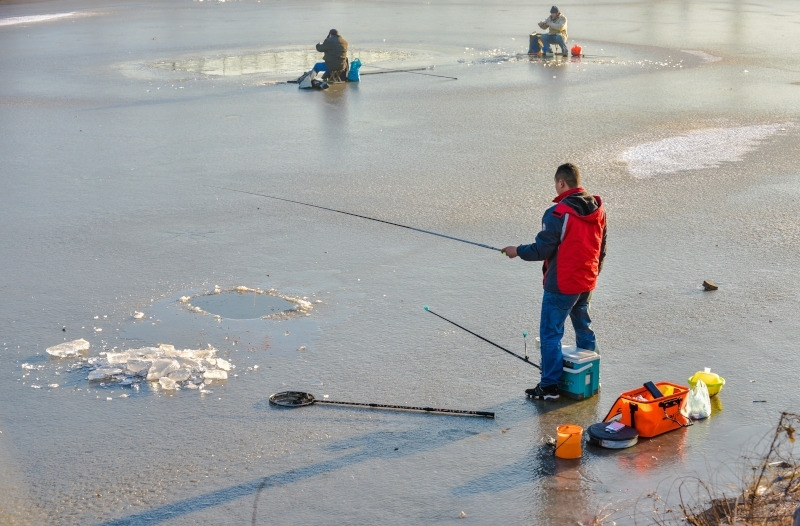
(556, 26)
(335, 57)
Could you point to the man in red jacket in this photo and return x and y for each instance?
(572, 244)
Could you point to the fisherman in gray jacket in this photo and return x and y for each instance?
(556, 26)
(335, 57)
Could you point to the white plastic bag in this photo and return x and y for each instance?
(698, 404)
(304, 82)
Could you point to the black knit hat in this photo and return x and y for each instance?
(333, 32)
(554, 9)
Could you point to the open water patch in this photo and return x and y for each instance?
(696, 150)
(242, 306)
(244, 303)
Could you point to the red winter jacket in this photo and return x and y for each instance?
(572, 243)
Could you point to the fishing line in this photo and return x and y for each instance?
(358, 215)
(301, 399)
(409, 71)
(525, 359)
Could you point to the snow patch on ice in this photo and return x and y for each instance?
(696, 150)
(33, 18)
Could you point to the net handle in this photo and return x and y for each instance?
(485, 414)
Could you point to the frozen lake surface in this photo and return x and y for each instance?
(117, 120)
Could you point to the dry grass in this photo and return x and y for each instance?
(768, 496)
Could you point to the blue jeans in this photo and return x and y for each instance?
(553, 39)
(555, 309)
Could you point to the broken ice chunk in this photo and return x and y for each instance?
(215, 374)
(137, 367)
(184, 299)
(190, 385)
(180, 375)
(114, 358)
(138, 315)
(65, 349)
(223, 364)
(52, 386)
(123, 395)
(167, 383)
(103, 373)
(162, 367)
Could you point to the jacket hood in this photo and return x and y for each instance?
(583, 205)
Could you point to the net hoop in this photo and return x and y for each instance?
(291, 399)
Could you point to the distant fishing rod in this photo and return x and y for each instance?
(413, 72)
(357, 215)
(392, 71)
(524, 359)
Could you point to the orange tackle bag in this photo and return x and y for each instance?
(651, 416)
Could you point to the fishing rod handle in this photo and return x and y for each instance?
(410, 408)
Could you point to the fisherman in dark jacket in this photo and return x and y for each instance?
(335, 57)
(572, 245)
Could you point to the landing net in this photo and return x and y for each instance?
(291, 399)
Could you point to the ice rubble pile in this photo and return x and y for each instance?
(171, 368)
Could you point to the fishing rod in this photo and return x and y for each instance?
(358, 215)
(393, 71)
(300, 399)
(524, 359)
(413, 72)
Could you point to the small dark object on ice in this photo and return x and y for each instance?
(63, 329)
(709, 285)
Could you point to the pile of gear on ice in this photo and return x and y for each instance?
(171, 368)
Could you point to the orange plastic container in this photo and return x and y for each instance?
(650, 416)
(569, 443)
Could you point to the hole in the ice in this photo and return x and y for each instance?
(242, 305)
